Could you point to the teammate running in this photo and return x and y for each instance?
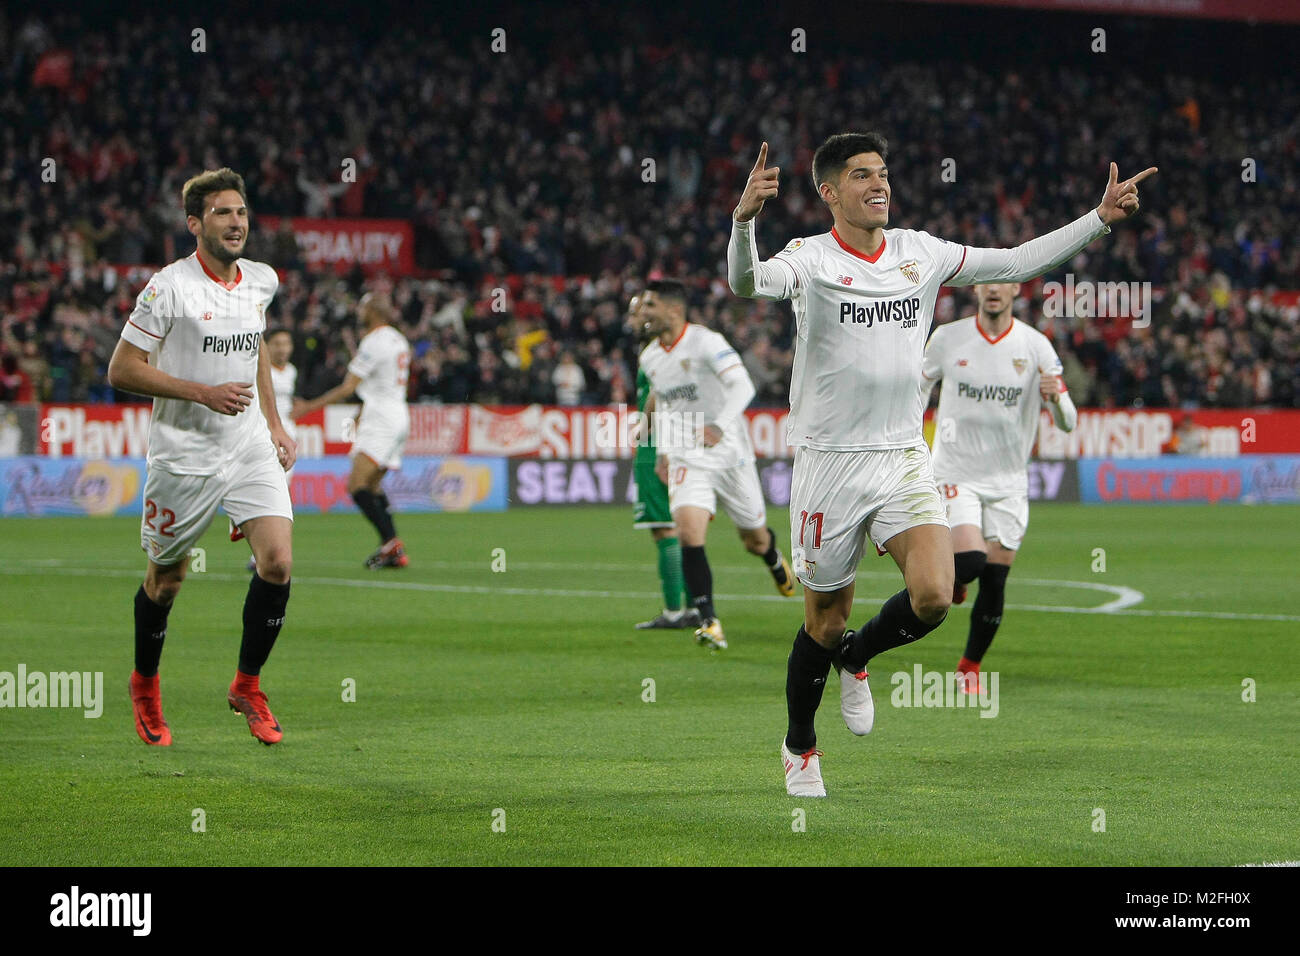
(377, 374)
(203, 318)
(651, 510)
(863, 299)
(700, 390)
(997, 374)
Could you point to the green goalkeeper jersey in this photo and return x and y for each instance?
(646, 452)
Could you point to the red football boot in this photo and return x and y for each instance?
(246, 698)
(146, 702)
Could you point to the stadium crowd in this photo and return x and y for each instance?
(527, 172)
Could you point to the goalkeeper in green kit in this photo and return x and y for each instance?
(652, 512)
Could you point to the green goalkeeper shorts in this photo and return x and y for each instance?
(651, 510)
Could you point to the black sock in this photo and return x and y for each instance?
(986, 614)
(772, 557)
(895, 625)
(699, 580)
(805, 679)
(263, 618)
(150, 632)
(968, 565)
(377, 513)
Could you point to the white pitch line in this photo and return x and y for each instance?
(1121, 606)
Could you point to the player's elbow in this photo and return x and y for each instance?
(742, 286)
(117, 375)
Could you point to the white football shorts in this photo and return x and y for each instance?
(737, 487)
(179, 508)
(1000, 516)
(838, 499)
(381, 435)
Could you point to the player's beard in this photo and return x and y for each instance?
(216, 248)
(996, 316)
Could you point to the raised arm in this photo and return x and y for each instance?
(1041, 254)
(747, 276)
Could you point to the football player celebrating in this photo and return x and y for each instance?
(215, 440)
(700, 390)
(997, 374)
(863, 298)
(378, 375)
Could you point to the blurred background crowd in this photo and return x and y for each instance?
(526, 171)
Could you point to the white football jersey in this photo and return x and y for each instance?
(989, 402)
(285, 383)
(861, 322)
(687, 380)
(383, 363)
(209, 331)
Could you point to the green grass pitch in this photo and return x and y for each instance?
(516, 697)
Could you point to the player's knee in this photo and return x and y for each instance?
(827, 633)
(755, 541)
(276, 567)
(163, 588)
(826, 626)
(931, 602)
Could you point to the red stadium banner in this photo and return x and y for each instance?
(93, 431)
(580, 432)
(340, 244)
(1149, 433)
(504, 431)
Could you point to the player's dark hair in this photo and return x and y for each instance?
(274, 331)
(198, 188)
(673, 290)
(832, 156)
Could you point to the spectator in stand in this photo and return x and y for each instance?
(569, 380)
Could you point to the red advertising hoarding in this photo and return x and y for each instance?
(571, 433)
(340, 244)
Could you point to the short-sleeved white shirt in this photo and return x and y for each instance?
(861, 321)
(989, 402)
(686, 376)
(383, 363)
(208, 331)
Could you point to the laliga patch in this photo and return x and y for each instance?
(149, 294)
(791, 247)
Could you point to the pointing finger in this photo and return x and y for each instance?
(1150, 171)
(762, 158)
